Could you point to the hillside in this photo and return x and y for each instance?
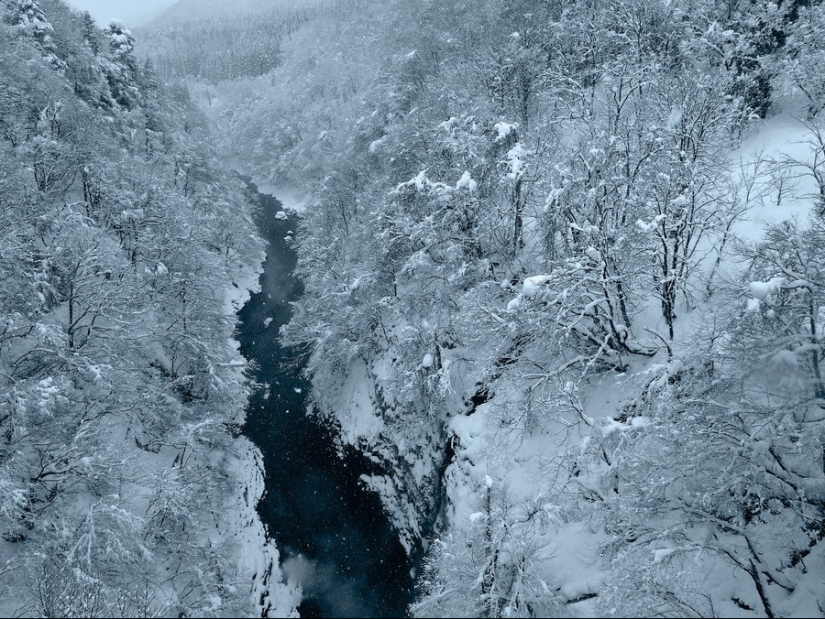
(219, 40)
(195, 10)
(125, 248)
(553, 289)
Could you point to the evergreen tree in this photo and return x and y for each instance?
(30, 19)
(121, 67)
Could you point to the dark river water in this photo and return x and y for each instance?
(332, 534)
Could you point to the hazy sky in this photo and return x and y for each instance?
(131, 12)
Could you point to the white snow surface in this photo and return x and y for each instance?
(259, 558)
(533, 285)
(504, 129)
(358, 415)
(517, 161)
(245, 284)
(775, 141)
(762, 290)
(466, 182)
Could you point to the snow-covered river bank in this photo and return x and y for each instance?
(333, 536)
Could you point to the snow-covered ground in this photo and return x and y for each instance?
(517, 467)
(772, 153)
(259, 558)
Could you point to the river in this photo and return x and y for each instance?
(333, 535)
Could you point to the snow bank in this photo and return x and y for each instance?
(533, 285)
(259, 558)
(775, 140)
(245, 282)
(359, 419)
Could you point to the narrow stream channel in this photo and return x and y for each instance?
(332, 534)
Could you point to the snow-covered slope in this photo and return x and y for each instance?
(542, 296)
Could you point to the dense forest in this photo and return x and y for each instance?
(553, 289)
(216, 51)
(563, 273)
(124, 487)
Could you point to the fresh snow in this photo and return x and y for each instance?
(504, 129)
(517, 161)
(359, 418)
(774, 141)
(762, 290)
(533, 285)
(466, 182)
(258, 557)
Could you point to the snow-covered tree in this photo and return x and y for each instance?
(118, 380)
(30, 19)
(122, 70)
